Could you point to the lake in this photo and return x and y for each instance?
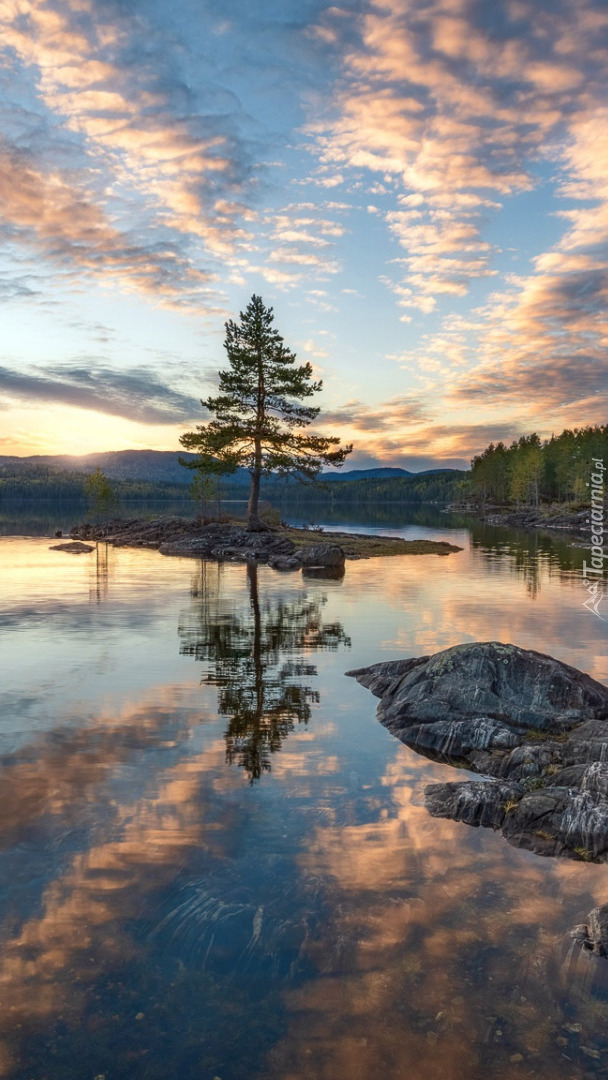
(217, 865)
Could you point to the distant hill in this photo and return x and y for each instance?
(153, 475)
(162, 466)
(152, 466)
(366, 474)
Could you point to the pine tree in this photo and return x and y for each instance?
(258, 419)
(99, 492)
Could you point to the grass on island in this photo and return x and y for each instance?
(363, 546)
(354, 545)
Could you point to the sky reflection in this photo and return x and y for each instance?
(162, 916)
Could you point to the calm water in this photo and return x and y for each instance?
(217, 864)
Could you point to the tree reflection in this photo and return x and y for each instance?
(100, 574)
(257, 657)
(533, 554)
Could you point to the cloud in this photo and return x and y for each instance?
(138, 395)
(137, 149)
(533, 357)
(435, 445)
(301, 237)
(454, 106)
(46, 210)
(406, 432)
(389, 416)
(127, 164)
(18, 287)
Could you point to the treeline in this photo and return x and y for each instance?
(24, 485)
(439, 487)
(531, 471)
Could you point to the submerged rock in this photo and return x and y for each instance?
(75, 547)
(537, 728)
(593, 935)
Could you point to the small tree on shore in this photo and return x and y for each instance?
(202, 491)
(99, 493)
(258, 422)
(208, 471)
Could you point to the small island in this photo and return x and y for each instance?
(283, 547)
(535, 728)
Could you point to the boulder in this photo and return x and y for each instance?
(537, 728)
(330, 556)
(488, 681)
(475, 803)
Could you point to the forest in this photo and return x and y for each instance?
(528, 472)
(442, 486)
(531, 471)
(23, 485)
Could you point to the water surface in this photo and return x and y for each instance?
(216, 863)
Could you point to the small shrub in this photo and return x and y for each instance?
(533, 783)
(537, 735)
(584, 854)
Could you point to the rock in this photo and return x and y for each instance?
(327, 573)
(321, 555)
(491, 682)
(284, 562)
(473, 803)
(593, 935)
(74, 546)
(552, 517)
(380, 678)
(536, 727)
(230, 543)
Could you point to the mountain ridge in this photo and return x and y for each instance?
(163, 466)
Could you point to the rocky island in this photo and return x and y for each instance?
(535, 728)
(281, 547)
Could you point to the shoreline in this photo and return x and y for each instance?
(550, 517)
(232, 542)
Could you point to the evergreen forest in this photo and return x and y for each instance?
(530, 472)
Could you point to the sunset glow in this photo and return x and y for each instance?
(420, 190)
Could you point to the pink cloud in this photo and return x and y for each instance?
(457, 114)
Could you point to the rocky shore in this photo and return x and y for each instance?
(282, 548)
(535, 728)
(574, 522)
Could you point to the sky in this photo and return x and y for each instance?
(419, 189)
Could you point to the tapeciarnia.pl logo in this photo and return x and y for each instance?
(592, 573)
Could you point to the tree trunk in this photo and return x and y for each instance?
(253, 522)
